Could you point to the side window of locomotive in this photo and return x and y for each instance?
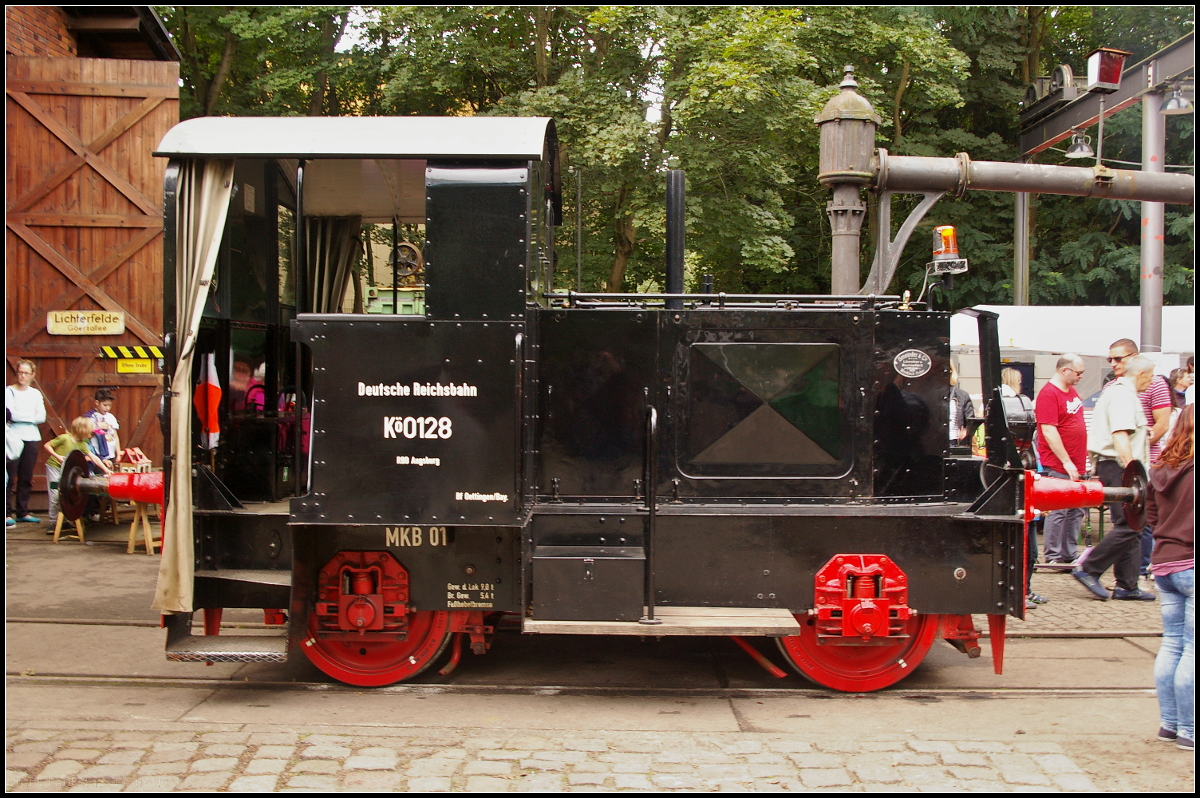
(541, 233)
(764, 409)
(251, 270)
(286, 241)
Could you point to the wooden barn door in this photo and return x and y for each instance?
(84, 221)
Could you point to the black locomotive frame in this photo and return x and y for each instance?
(588, 463)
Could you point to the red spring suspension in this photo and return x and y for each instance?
(360, 592)
(861, 596)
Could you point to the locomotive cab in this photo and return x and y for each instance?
(387, 485)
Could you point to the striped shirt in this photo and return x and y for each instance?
(1156, 397)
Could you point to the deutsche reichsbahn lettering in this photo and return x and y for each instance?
(413, 536)
(418, 389)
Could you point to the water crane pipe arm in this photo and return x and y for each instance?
(909, 173)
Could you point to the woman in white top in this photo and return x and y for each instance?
(25, 409)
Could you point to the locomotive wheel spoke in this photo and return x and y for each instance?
(374, 661)
(858, 669)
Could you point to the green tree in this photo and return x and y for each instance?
(729, 94)
(1085, 251)
(268, 60)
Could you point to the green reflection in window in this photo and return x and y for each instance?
(811, 405)
(799, 384)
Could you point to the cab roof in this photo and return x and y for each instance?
(466, 138)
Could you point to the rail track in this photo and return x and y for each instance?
(716, 669)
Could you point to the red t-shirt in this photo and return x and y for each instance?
(1064, 411)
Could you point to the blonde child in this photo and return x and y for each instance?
(75, 439)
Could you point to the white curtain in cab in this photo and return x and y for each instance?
(202, 203)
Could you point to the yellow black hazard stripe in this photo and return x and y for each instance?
(119, 352)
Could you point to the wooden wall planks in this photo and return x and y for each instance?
(84, 225)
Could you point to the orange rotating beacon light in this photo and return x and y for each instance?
(946, 263)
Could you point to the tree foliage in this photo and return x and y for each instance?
(729, 95)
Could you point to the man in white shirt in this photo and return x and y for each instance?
(1119, 434)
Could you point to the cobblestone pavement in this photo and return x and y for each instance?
(117, 747)
(262, 758)
(1073, 609)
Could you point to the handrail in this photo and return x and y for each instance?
(651, 507)
(578, 295)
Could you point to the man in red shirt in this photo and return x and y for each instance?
(1062, 448)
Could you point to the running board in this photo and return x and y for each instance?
(228, 648)
(183, 646)
(710, 621)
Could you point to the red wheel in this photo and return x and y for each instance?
(858, 669)
(372, 662)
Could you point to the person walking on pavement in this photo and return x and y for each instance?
(1170, 510)
(1062, 447)
(26, 409)
(1118, 436)
(1156, 403)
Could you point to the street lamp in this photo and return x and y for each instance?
(1080, 146)
(1177, 104)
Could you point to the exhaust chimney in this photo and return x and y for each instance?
(676, 194)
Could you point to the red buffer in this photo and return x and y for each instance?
(144, 488)
(1045, 494)
(75, 485)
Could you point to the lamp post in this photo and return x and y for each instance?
(1154, 147)
(848, 124)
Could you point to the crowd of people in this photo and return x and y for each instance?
(1140, 416)
(95, 433)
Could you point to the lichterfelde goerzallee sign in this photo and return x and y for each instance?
(85, 322)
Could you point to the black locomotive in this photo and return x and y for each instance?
(388, 485)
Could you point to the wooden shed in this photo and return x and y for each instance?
(90, 92)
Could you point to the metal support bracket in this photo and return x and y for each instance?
(887, 254)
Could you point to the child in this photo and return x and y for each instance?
(76, 439)
(106, 443)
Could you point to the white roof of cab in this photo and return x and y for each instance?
(473, 137)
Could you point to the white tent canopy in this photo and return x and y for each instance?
(1084, 330)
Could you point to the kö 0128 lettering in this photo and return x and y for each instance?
(426, 427)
